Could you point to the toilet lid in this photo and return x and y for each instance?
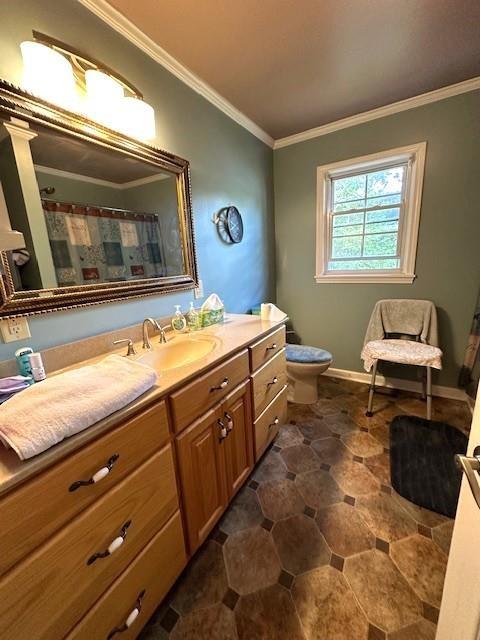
(303, 353)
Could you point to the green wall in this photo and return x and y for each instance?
(72, 190)
(335, 316)
(229, 166)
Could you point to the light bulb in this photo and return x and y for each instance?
(48, 75)
(104, 94)
(137, 119)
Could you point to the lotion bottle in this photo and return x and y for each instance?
(38, 370)
(193, 318)
(178, 321)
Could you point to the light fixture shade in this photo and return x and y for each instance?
(104, 94)
(137, 119)
(48, 75)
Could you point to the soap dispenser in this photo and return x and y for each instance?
(193, 318)
(178, 321)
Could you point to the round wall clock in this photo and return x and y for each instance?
(229, 224)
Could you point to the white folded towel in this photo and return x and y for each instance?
(62, 405)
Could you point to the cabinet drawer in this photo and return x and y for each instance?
(267, 347)
(267, 382)
(61, 580)
(147, 581)
(267, 424)
(32, 513)
(195, 398)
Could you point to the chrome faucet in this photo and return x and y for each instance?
(146, 340)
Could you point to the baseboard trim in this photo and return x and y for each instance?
(440, 391)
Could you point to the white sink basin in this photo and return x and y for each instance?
(179, 351)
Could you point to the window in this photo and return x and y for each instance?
(368, 217)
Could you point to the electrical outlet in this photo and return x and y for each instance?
(13, 329)
(198, 292)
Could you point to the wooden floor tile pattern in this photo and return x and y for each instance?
(317, 546)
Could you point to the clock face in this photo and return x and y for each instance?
(229, 225)
(234, 224)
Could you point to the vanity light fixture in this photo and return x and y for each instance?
(102, 91)
(48, 75)
(137, 118)
(64, 76)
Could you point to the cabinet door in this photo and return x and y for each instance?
(238, 445)
(202, 471)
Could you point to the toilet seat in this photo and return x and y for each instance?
(307, 355)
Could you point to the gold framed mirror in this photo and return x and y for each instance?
(104, 217)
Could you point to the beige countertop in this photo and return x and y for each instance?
(234, 334)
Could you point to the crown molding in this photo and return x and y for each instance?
(103, 10)
(396, 107)
(118, 186)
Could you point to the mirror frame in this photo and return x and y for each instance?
(17, 103)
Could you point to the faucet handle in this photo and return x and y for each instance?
(163, 337)
(130, 348)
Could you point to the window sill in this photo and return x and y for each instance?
(366, 278)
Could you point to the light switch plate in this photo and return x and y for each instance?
(13, 329)
(198, 292)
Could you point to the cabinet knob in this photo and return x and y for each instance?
(97, 476)
(229, 420)
(223, 430)
(274, 423)
(273, 346)
(115, 544)
(222, 385)
(274, 381)
(132, 616)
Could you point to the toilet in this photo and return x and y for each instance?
(304, 365)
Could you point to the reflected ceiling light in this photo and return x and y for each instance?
(137, 118)
(60, 74)
(103, 94)
(48, 74)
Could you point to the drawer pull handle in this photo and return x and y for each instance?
(222, 385)
(274, 381)
(113, 546)
(223, 430)
(99, 475)
(274, 346)
(274, 423)
(229, 420)
(132, 616)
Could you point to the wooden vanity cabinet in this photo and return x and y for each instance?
(173, 470)
(201, 463)
(215, 457)
(238, 445)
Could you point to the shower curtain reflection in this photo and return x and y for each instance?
(96, 244)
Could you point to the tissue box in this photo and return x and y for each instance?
(212, 316)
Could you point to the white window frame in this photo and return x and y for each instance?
(414, 156)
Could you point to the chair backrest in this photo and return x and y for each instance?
(402, 336)
(416, 319)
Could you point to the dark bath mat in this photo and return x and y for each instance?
(422, 462)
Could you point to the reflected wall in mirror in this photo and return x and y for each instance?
(102, 216)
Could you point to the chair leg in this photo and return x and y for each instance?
(369, 413)
(429, 393)
(424, 385)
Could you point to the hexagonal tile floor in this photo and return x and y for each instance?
(317, 545)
